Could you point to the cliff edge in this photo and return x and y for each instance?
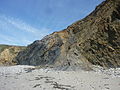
(94, 40)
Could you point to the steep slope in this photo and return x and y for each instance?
(7, 53)
(92, 40)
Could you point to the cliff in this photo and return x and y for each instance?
(8, 53)
(94, 40)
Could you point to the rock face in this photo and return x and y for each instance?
(8, 53)
(92, 40)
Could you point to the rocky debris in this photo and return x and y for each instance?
(92, 40)
(16, 78)
(8, 53)
(12, 70)
(114, 72)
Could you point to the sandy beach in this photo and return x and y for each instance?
(29, 78)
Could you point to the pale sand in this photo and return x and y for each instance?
(18, 78)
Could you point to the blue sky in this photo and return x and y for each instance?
(24, 21)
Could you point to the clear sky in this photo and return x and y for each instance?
(23, 21)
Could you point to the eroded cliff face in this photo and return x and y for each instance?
(92, 40)
(8, 53)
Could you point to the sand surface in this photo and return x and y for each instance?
(28, 78)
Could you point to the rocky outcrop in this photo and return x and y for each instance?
(8, 53)
(92, 40)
